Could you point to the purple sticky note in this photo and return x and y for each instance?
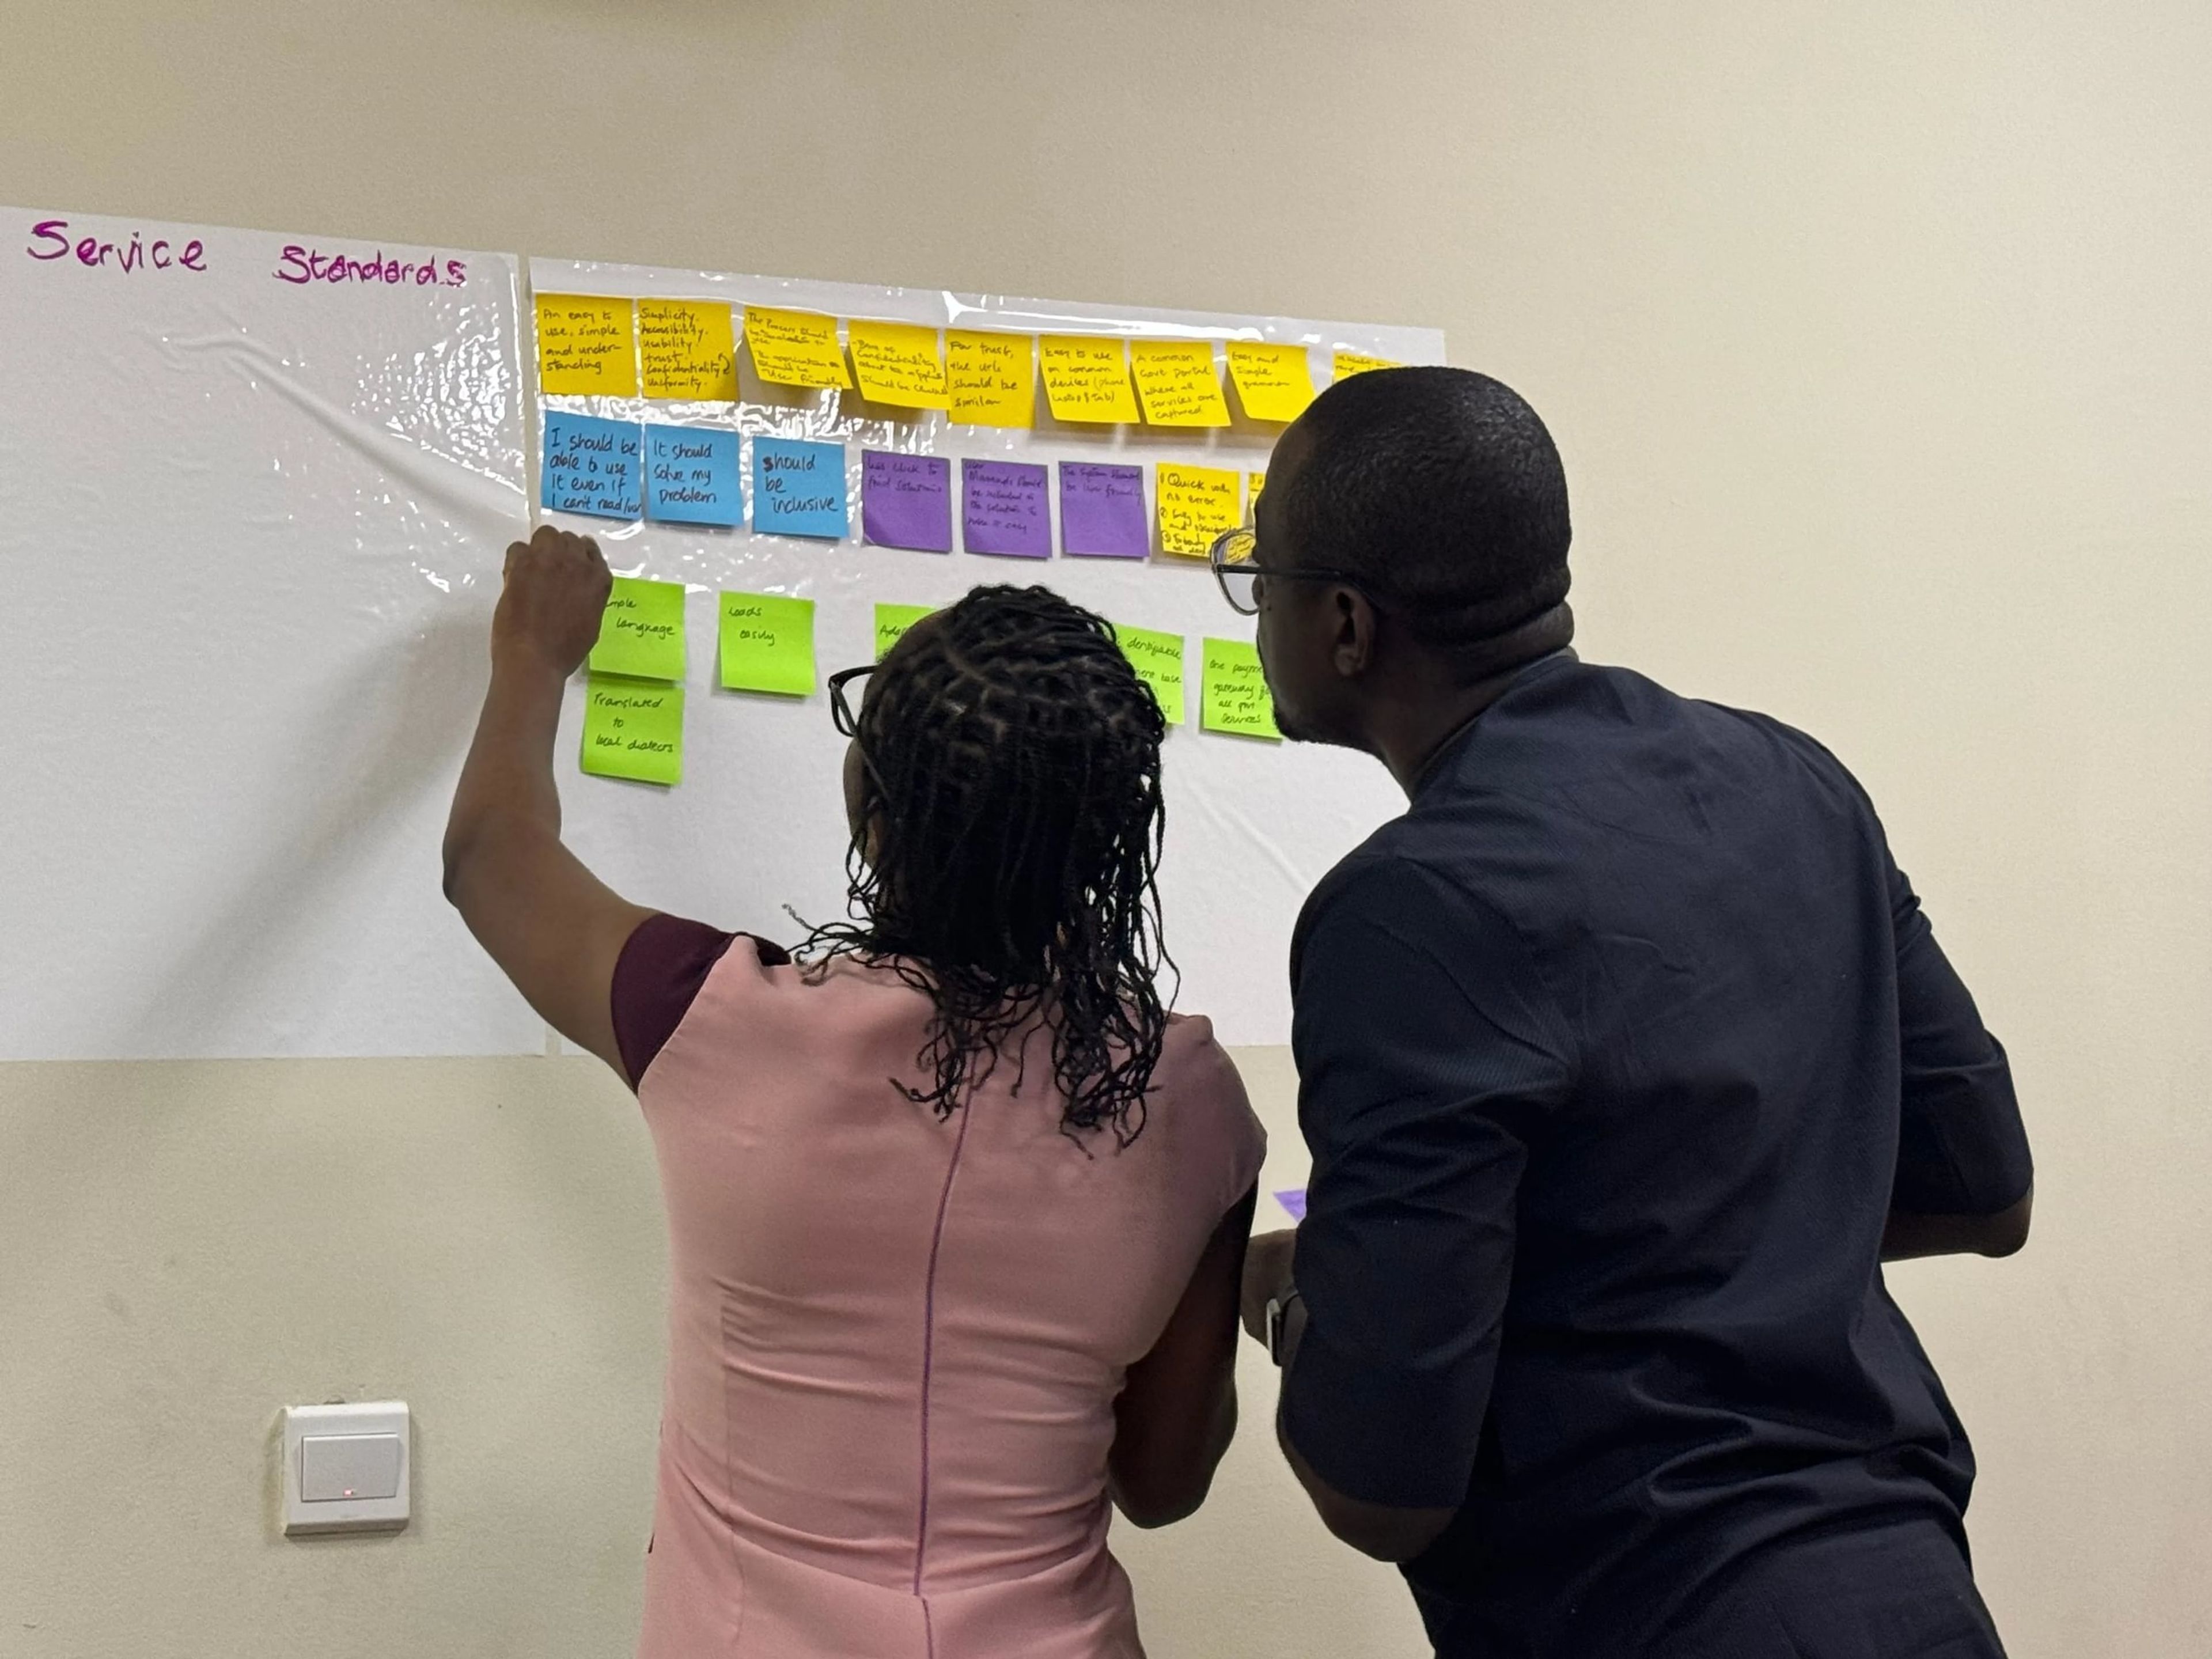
(906, 501)
(1293, 1203)
(1101, 511)
(1004, 510)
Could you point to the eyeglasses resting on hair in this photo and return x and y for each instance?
(1234, 556)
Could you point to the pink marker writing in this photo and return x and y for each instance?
(50, 240)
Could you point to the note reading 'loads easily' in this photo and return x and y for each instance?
(641, 631)
(795, 348)
(1233, 697)
(1086, 378)
(898, 363)
(906, 501)
(1101, 511)
(1004, 510)
(633, 730)
(892, 623)
(768, 644)
(687, 349)
(799, 488)
(1177, 383)
(586, 347)
(1273, 382)
(590, 466)
(1196, 504)
(691, 476)
(1157, 659)
(990, 380)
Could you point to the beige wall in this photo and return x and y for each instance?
(1876, 337)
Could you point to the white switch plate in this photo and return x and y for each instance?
(359, 1450)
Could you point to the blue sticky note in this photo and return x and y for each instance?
(590, 466)
(798, 487)
(691, 476)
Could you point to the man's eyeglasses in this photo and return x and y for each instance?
(841, 711)
(1234, 558)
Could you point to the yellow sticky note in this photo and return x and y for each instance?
(768, 644)
(1273, 382)
(795, 348)
(1157, 659)
(1177, 384)
(898, 363)
(991, 379)
(687, 349)
(633, 730)
(892, 623)
(1233, 694)
(1196, 504)
(1253, 484)
(1086, 378)
(586, 346)
(1348, 363)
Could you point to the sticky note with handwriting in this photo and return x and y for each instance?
(1196, 504)
(691, 476)
(892, 623)
(1003, 509)
(799, 488)
(1273, 382)
(1101, 511)
(1157, 659)
(1086, 378)
(1253, 484)
(990, 380)
(586, 346)
(898, 363)
(590, 466)
(768, 644)
(906, 501)
(795, 348)
(687, 349)
(633, 730)
(642, 631)
(1348, 363)
(1233, 692)
(1177, 383)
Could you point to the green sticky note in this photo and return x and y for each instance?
(1234, 697)
(634, 730)
(892, 620)
(768, 644)
(1157, 659)
(641, 634)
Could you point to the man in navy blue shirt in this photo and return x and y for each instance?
(1626, 1059)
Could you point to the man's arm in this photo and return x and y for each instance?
(551, 924)
(1964, 1181)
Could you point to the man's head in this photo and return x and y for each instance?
(1436, 497)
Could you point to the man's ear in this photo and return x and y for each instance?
(1351, 651)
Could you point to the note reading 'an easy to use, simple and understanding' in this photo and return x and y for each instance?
(590, 466)
(768, 644)
(586, 346)
(1157, 659)
(641, 631)
(1233, 695)
(634, 730)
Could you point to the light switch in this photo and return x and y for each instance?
(346, 1467)
(336, 1467)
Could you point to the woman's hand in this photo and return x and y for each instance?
(555, 594)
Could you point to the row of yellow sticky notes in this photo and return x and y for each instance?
(634, 707)
(595, 345)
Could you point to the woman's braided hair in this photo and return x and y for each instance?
(1013, 788)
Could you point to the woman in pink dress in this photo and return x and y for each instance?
(957, 1211)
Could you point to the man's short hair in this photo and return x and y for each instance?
(1441, 490)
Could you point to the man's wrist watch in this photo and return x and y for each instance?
(1279, 1319)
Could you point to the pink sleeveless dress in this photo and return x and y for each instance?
(894, 1341)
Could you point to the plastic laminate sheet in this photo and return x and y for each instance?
(254, 494)
(755, 833)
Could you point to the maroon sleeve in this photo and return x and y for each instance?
(663, 964)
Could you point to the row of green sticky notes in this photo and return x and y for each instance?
(766, 639)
